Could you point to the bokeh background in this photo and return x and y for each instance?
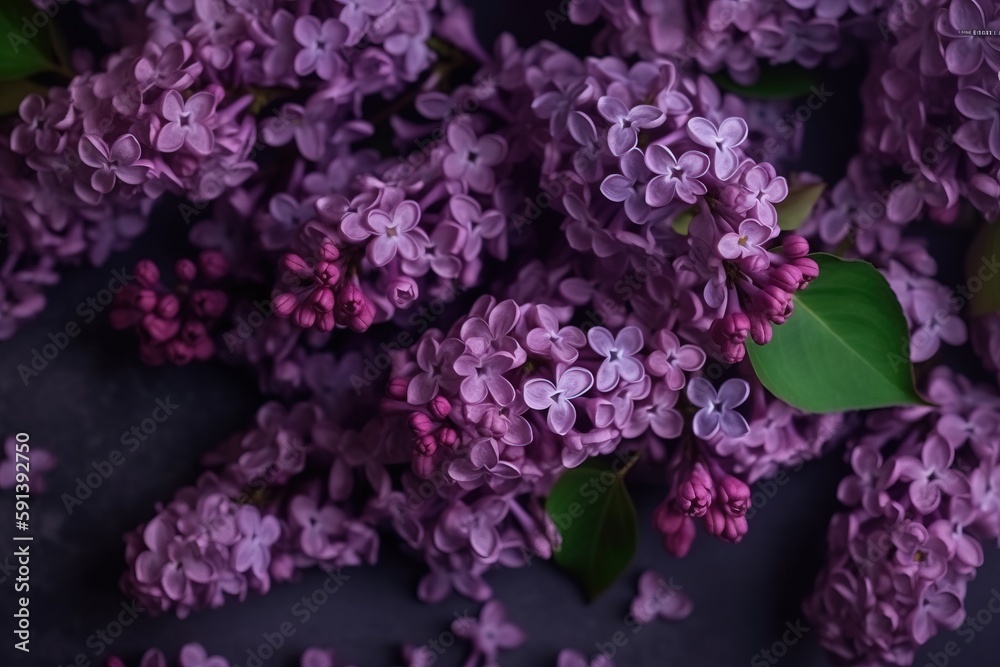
(95, 390)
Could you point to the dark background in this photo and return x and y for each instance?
(95, 390)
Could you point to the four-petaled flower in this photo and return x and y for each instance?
(541, 394)
(722, 140)
(186, 124)
(747, 243)
(618, 352)
(718, 409)
(677, 177)
(395, 232)
(623, 135)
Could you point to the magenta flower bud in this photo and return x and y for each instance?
(304, 317)
(440, 407)
(329, 252)
(420, 423)
(733, 353)
(425, 445)
(295, 265)
(209, 302)
(788, 277)
(733, 327)
(328, 273)
(447, 437)
(397, 388)
(159, 329)
(808, 267)
(214, 265)
(146, 273)
(361, 321)
(795, 246)
(720, 524)
(114, 661)
(695, 493)
(168, 307)
(423, 466)
(185, 270)
(284, 304)
(321, 300)
(144, 300)
(325, 322)
(179, 352)
(760, 330)
(774, 302)
(677, 530)
(351, 298)
(735, 496)
(402, 291)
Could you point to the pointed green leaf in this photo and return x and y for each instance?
(846, 346)
(775, 83)
(796, 207)
(24, 47)
(595, 516)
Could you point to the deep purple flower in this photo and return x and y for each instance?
(931, 475)
(491, 633)
(186, 123)
(718, 409)
(658, 598)
(623, 135)
(482, 369)
(472, 158)
(119, 162)
(320, 44)
(722, 140)
(677, 177)
(541, 394)
(619, 356)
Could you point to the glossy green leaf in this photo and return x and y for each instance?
(846, 346)
(24, 47)
(774, 83)
(982, 283)
(796, 207)
(595, 516)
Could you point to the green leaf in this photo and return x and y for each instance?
(24, 47)
(13, 92)
(796, 207)
(774, 83)
(981, 271)
(595, 515)
(682, 221)
(846, 346)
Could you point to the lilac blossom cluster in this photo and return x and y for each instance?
(195, 94)
(922, 503)
(271, 503)
(735, 36)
